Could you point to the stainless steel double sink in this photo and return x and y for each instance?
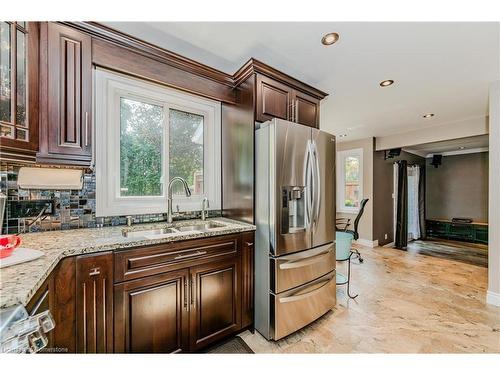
(176, 229)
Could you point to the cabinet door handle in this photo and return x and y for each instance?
(197, 253)
(185, 294)
(297, 110)
(95, 271)
(86, 129)
(191, 293)
(249, 244)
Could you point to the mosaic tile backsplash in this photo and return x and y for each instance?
(72, 208)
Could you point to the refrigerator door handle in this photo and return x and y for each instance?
(307, 182)
(317, 183)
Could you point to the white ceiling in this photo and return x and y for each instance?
(443, 68)
(454, 146)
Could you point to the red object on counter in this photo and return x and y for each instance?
(8, 244)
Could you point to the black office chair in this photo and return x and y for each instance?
(342, 224)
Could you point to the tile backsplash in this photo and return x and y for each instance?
(72, 208)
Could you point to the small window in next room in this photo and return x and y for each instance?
(349, 180)
(147, 134)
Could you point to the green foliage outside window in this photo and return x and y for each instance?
(142, 126)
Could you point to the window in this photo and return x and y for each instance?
(350, 180)
(147, 134)
(13, 80)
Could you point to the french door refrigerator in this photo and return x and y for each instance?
(295, 213)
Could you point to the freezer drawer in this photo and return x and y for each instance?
(300, 268)
(298, 307)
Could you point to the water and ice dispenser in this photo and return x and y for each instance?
(293, 209)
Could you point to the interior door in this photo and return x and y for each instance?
(215, 301)
(292, 162)
(323, 222)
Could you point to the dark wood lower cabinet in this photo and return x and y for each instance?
(151, 314)
(94, 303)
(247, 277)
(183, 307)
(215, 305)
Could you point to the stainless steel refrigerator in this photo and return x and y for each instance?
(295, 219)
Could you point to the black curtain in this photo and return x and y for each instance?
(402, 206)
(421, 202)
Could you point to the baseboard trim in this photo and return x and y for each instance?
(390, 244)
(367, 243)
(493, 298)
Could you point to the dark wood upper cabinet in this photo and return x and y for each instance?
(19, 90)
(94, 303)
(275, 99)
(151, 314)
(306, 109)
(215, 292)
(66, 96)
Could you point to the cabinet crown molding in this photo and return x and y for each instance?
(256, 66)
(150, 50)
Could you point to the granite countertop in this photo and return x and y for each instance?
(18, 283)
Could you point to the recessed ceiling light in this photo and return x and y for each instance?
(428, 115)
(330, 38)
(386, 83)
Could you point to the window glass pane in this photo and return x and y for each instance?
(5, 80)
(141, 136)
(6, 131)
(21, 78)
(352, 182)
(22, 134)
(186, 150)
(22, 24)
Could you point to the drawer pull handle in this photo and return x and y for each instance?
(86, 129)
(185, 294)
(298, 297)
(304, 262)
(191, 293)
(198, 253)
(95, 271)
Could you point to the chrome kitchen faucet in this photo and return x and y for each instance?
(169, 199)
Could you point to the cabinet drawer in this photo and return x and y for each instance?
(152, 260)
(298, 307)
(296, 269)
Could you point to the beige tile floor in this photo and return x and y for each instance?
(408, 303)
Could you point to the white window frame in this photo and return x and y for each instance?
(341, 157)
(109, 88)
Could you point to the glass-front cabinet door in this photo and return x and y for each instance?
(19, 85)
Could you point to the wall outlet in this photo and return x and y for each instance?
(385, 236)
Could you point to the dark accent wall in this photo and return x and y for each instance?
(382, 194)
(458, 187)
